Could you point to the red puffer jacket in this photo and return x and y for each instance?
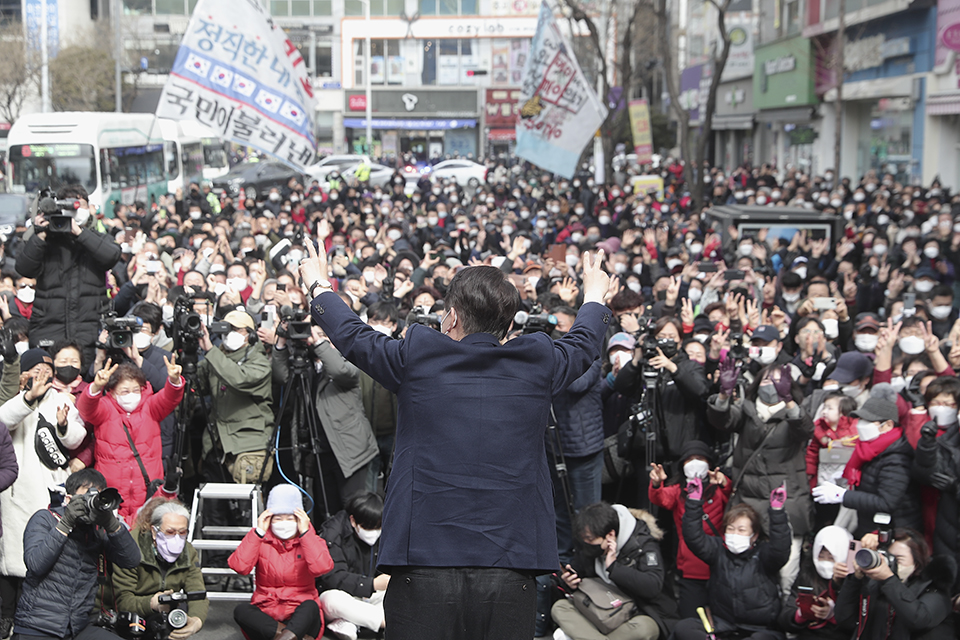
(674, 498)
(287, 570)
(114, 457)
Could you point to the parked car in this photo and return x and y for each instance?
(341, 163)
(379, 174)
(465, 173)
(254, 178)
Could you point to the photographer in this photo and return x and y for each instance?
(168, 563)
(348, 444)
(62, 548)
(909, 600)
(70, 268)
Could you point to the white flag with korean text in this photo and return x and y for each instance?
(234, 71)
(559, 110)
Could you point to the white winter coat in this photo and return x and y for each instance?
(31, 491)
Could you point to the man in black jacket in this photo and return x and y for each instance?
(70, 269)
(620, 547)
(62, 548)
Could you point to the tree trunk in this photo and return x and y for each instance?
(838, 134)
(683, 117)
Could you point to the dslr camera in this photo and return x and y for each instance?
(121, 329)
(58, 213)
(422, 315)
(157, 626)
(870, 559)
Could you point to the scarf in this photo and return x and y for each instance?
(867, 451)
(26, 310)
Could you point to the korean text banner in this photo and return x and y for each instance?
(239, 74)
(559, 111)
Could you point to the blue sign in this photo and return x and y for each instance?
(144, 63)
(427, 125)
(330, 85)
(33, 12)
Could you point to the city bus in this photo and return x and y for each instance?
(182, 152)
(215, 156)
(118, 157)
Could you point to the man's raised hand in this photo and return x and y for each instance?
(596, 282)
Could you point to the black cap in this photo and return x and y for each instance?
(697, 448)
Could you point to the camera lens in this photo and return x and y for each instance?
(177, 618)
(868, 559)
(106, 500)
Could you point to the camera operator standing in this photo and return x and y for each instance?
(62, 548)
(70, 267)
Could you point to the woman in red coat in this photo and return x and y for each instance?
(289, 556)
(131, 403)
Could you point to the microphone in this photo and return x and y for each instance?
(521, 317)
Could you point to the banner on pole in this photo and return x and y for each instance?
(559, 111)
(640, 126)
(238, 73)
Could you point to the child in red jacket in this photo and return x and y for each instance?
(834, 429)
(696, 459)
(289, 556)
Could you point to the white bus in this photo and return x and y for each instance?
(118, 157)
(182, 153)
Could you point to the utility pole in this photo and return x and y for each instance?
(117, 48)
(366, 75)
(838, 134)
(44, 60)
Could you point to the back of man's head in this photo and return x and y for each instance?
(89, 478)
(485, 300)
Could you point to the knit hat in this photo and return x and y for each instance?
(33, 357)
(623, 340)
(284, 499)
(697, 448)
(880, 406)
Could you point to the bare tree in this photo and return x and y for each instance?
(18, 73)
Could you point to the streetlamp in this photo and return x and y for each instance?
(366, 75)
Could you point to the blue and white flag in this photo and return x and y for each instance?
(238, 73)
(559, 111)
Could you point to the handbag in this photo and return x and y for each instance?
(46, 442)
(615, 467)
(245, 468)
(603, 604)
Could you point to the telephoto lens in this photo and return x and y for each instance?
(177, 618)
(869, 559)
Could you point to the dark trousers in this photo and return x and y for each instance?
(693, 630)
(259, 626)
(693, 594)
(10, 587)
(89, 633)
(466, 603)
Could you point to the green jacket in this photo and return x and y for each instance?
(10, 380)
(240, 390)
(133, 588)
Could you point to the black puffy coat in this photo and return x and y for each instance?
(782, 458)
(679, 403)
(579, 413)
(71, 284)
(744, 587)
(354, 561)
(919, 610)
(885, 487)
(59, 590)
(942, 456)
(639, 572)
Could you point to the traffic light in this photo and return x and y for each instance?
(476, 72)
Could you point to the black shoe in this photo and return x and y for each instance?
(6, 627)
(214, 583)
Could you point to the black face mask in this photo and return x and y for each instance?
(592, 551)
(67, 374)
(668, 346)
(662, 295)
(767, 395)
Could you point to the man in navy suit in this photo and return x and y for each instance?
(468, 519)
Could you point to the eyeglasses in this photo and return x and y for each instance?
(811, 332)
(172, 532)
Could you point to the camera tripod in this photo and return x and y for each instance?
(304, 423)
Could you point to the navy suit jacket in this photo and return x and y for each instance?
(470, 486)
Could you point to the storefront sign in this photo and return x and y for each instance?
(500, 107)
(948, 29)
(425, 125)
(640, 126)
(783, 75)
(690, 90)
(951, 37)
(358, 103)
(648, 184)
(864, 53)
(780, 65)
(438, 103)
(740, 59)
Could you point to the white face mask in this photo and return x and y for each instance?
(673, 263)
(696, 469)
(945, 416)
(802, 272)
(283, 529)
(898, 383)
(234, 340)
(831, 327)
(911, 345)
(81, 216)
(695, 295)
(868, 430)
(791, 297)
(940, 313)
(621, 357)
(394, 234)
(851, 390)
(746, 249)
(128, 402)
(141, 340)
(541, 224)
(923, 286)
(824, 568)
(26, 295)
(766, 356)
(931, 252)
(238, 284)
(880, 249)
(865, 342)
(577, 237)
(736, 543)
(22, 347)
(604, 220)
(696, 249)
(634, 286)
(382, 329)
(571, 260)
(369, 537)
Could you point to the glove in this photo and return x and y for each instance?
(778, 497)
(73, 514)
(912, 393)
(105, 519)
(828, 493)
(171, 481)
(784, 384)
(929, 430)
(695, 488)
(8, 346)
(943, 481)
(729, 372)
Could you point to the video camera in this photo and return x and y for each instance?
(297, 321)
(157, 626)
(535, 321)
(422, 315)
(870, 559)
(121, 329)
(738, 351)
(58, 213)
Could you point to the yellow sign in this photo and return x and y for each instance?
(642, 137)
(646, 184)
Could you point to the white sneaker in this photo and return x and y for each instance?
(342, 629)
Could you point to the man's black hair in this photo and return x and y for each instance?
(18, 326)
(150, 313)
(567, 311)
(238, 263)
(791, 280)
(382, 311)
(366, 508)
(72, 192)
(596, 521)
(942, 290)
(90, 478)
(485, 300)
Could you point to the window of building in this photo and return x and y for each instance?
(448, 61)
(509, 57)
(279, 7)
(137, 7)
(386, 63)
(791, 16)
(377, 7)
(323, 67)
(10, 11)
(448, 7)
(322, 7)
(171, 7)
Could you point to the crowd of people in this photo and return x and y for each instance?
(768, 409)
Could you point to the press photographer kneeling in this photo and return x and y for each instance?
(62, 548)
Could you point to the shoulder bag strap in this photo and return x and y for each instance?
(151, 487)
(753, 456)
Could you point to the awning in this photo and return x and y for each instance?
(945, 104)
(791, 114)
(502, 134)
(425, 125)
(734, 121)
